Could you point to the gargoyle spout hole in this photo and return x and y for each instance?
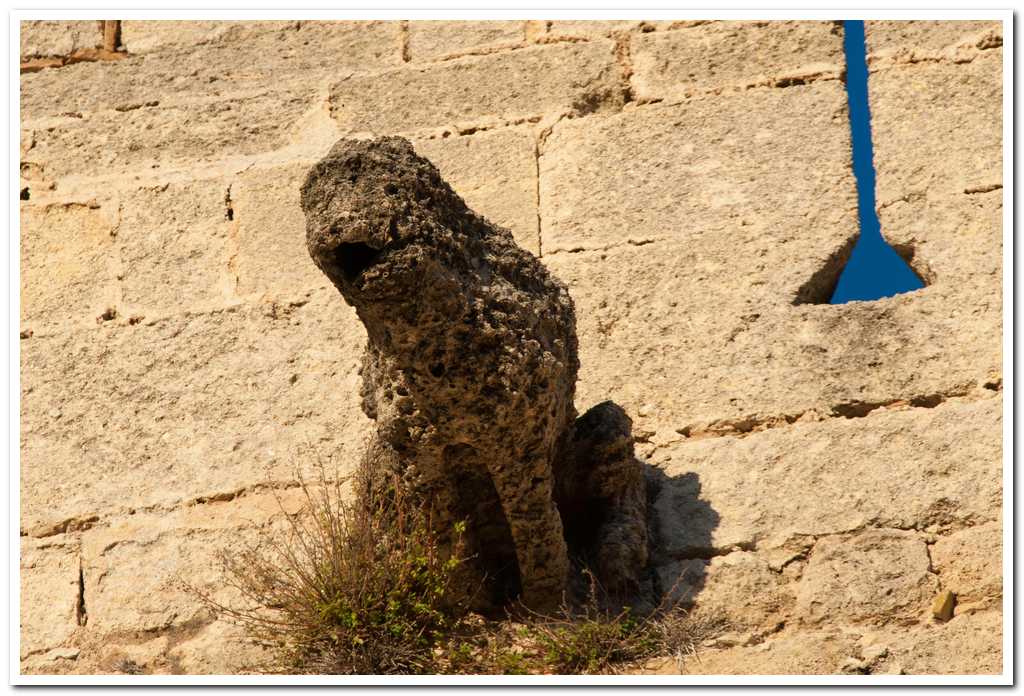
(355, 257)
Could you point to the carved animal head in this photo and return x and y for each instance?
(381, 222)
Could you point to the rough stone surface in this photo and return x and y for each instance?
(702, 219)
(193, 104)
(965, 645)
(877, 576)
(241, 387)
(673, 64)
(913, 469)
(741, 586)
(437, 40)
(969, 563)
(470, 373)
(553, 79)
(954, 154)
(592, 28)
(67, 278)
(807, 652)
(642, 175)
(271, 259)
(172, 241)
(495, 172)
(49, 38)
(50, 607)
(148, 35)
(922, 40)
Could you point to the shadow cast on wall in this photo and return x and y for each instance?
(679, 569)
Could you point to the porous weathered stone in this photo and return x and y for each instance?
(470, 372)
(436, 40)
(473, 91)
(673, 64)
(877, 576)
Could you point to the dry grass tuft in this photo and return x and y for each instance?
(349, 587)
(345, 587)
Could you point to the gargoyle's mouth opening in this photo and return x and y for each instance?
(354, 258)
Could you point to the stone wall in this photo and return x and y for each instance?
(825, 471)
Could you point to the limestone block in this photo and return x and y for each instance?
(969, 562)
(698, 337)
(49, 593)
(495, 172)
(701, 245)
(148, 35)
(471, 91)
(56, 38)
(285, 61)
(436, 40)
(676, 63)
(914, 40)
(272, 260)
(968, 644)
(594, 28)
(878, 576)
(219, 648)
(804, 652)
(141, 571)
(69, 264)
(712, 168)
(173, 245)
(196, 104)
(157, 134)
(738, 586)
(956, 241)
(920, 468)
(136, 584)
(124, 417)
(940, 179)
(937, 128)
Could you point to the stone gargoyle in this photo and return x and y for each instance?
(470, 372)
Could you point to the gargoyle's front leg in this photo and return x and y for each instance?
(525, 491)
